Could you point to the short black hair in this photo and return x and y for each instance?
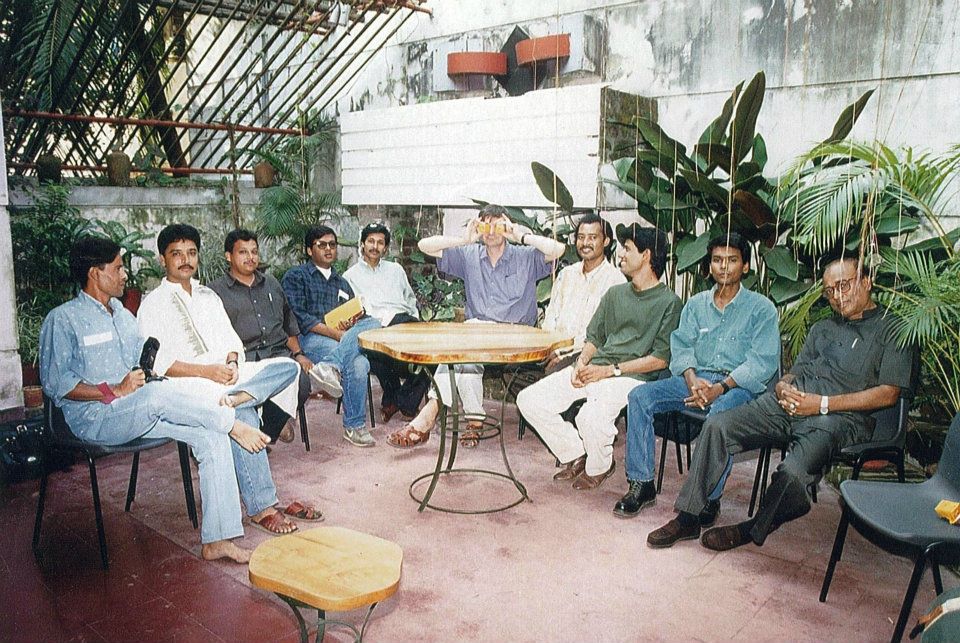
(240, 234)
(177, 232)
(727, 240)
(842, 255)
(593, 217)
(88, 252)
(491, 211)
(645, 238)
(317, 232)
(376, 227)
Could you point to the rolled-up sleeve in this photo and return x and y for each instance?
(452, 262)
(683, 341)
(59, 356)
(763, 354)
(661, 343)
(295, 286)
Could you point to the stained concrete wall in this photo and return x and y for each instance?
(10, 380)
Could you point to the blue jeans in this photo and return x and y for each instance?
(664, 396)
(351, 363)
(253, 469)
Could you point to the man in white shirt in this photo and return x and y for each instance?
(197, 340)
(386, 295)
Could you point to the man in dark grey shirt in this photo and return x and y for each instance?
(259, 312)
(850, 365)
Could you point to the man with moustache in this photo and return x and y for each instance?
(850, 365)
(197, 340)
(500, 276)
(262, 318)
(722, 354)
(89, 356)
(386, 295)
(313, 289)
(627, 344)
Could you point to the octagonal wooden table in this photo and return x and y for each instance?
(436, 343)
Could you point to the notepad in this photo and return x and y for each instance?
(343, 312)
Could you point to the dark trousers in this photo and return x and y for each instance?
(401, 388)
(272, 418)
(810, 442)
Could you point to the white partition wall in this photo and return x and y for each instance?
(10, 376)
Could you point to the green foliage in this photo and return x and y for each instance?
(136, 259)
(437, 298)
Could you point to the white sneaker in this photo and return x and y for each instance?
(359, 437)
(325, 377)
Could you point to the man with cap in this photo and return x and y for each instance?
(627, 344)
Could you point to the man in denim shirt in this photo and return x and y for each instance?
(723, 352)
(89, 352)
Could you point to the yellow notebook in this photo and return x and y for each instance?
(343, 312)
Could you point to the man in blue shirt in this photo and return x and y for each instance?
(724, 351)
(313, 289)
(500, 279)
(89, 352)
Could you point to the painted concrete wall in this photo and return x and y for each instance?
(10, 380)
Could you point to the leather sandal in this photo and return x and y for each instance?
(471, 438)
(300, 511)
(274, 523)
(408, 437)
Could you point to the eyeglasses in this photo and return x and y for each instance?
(325, 244)
(843, 287)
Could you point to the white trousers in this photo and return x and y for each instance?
(541, 405)
(285, 399)
(469, 380)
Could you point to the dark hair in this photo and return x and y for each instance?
(647, 239)
(89, 252)
(376, 227)
(491, 211)
(317, 232)
(593, 217)
(725, 240)
(842, 255)
(177, 232)
(240, 234)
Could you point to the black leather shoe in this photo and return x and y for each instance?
(710, 513)
(640, 495)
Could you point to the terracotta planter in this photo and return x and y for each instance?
(476, 62)
(131, 299)
(30, 373)
(32, 397)
(118, 168)
(535, 50)
(263, 175)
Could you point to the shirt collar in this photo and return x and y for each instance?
(507, 255)
(86, 299)
(232, 281)
(740, 290)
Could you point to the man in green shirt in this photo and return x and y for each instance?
(628, 343)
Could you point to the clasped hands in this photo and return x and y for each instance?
(584, 374)
(796, 402)
(702, 393)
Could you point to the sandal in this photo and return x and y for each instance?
(274, 523)
(301, 511)
(408, 437)
(471, 438)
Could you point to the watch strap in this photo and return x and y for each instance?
(724, 386)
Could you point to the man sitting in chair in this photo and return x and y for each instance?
(628, 343)
(849, 366)
(197, 340)
(721, 355)
(89, 354)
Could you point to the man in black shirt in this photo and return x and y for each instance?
(259, 312)
(849, 366)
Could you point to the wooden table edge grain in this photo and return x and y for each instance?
(423, 343)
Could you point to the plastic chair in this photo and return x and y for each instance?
(900, 519)
(59, 436)
(373, 421)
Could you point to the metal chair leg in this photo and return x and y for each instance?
(937, 579)
(373, 421)
(101, 536)
(908, 598)
(757, 478)
(835, 554)
(663, 459)
(40, 503)
(901, 474)
(182, 451)
(132, 485)
(302, 416)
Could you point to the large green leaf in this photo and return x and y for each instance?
(745, 119)
(517, 215)
(759, 151)
(893, 225)
(691, 251)
(784, 290)
(715, 155)
(755, 208)
(781, 261)
(717, 129)
(707, 187)
(661, 143)
(632, 170)
(848, 117)
(552, 187)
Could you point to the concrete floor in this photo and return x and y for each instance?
(558, 568)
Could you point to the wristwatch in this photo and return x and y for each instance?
(296, 355)
(824, 405)
(725, 386)
(616, 370)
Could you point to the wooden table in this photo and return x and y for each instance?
(438, 343)
(328, 568)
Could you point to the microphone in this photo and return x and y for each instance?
(147, 358)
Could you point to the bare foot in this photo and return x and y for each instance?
(273, 521)
(233, 400)
(225, 549)
(251, 439)
(427, 417)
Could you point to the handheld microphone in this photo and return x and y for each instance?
(147, 358)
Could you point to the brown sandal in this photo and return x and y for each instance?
(301, 511)
(471, 438)
(275, 523)
(408, 437)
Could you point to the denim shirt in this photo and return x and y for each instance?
(81, 342)
(742, 340)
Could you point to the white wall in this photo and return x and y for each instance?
(10, 376)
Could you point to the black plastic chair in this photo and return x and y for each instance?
(59, 436)
(900, 519)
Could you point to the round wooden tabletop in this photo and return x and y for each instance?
(470, 343)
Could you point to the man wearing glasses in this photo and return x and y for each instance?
(313, 289)
(850, 365)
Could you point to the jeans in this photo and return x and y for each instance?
(351, 363)
(664, 396)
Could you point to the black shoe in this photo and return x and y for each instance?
(710, 513)
(640, 495)
(683, 527)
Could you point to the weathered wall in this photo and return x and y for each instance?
(10, 382)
